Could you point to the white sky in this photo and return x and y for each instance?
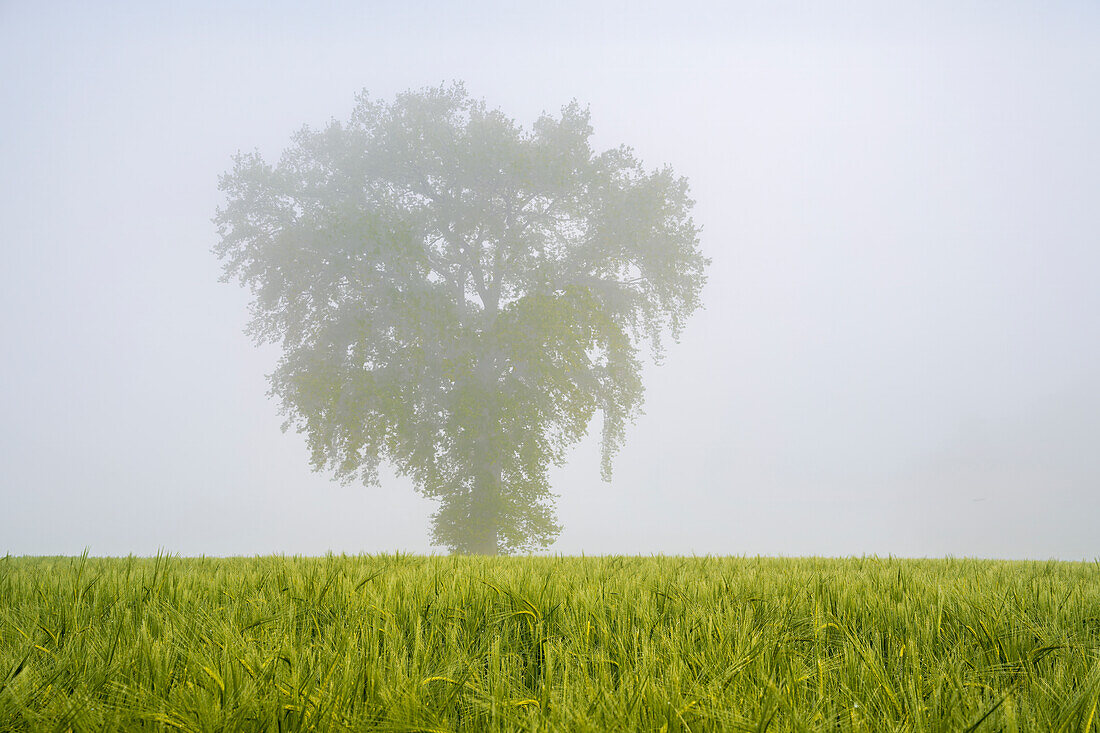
(900, 352)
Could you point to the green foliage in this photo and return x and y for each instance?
(404, 643)
(459, 296)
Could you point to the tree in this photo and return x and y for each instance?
(459, 296)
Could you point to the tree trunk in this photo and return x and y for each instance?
(487, 468)
(486, 519)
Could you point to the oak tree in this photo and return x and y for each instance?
(459, 296)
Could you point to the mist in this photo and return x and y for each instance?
(899, 351)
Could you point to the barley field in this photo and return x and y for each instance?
(413, 643)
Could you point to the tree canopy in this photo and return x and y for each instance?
(459, 296)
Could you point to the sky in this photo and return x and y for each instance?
(899, 352)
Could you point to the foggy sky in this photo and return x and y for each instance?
(900, 347)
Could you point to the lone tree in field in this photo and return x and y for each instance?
(458, 296)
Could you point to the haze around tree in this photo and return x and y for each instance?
(459, 296)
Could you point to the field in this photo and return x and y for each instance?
(407, 643)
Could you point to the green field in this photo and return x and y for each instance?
(404, 643)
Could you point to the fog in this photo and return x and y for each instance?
(899, 351)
